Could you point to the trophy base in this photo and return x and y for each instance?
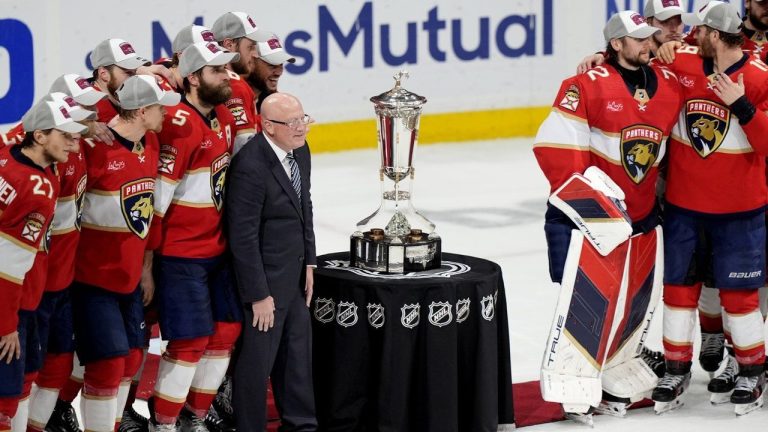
(394, 256)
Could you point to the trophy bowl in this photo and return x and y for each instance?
(396, 238)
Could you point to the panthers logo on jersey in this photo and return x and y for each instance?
(79, 200)
(706, 124)
(138, 198)
(218, 178)
(640, 146)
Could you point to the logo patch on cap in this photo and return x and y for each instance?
(669, 3)
(69, 101)
(64, 112)
(250, 21)
(83, 83)
(274, 44)
(212, 48)
(127, 48)
(637, 19)
(208, 36)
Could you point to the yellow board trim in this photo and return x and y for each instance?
(434, 128)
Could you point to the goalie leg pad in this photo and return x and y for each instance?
(581, 329)
(626, 375)
(599, 217)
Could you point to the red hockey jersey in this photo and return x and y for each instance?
(13, 136)
(194, 157)
(65, 228)
(242, 105)
(596, 120)
(716, 165)
(27, 200)
(117, 212)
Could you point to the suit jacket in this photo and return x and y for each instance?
(271, 234)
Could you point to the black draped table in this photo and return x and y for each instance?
(420, 352)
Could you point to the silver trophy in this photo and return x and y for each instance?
(396, 238)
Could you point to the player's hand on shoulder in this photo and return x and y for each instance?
(667, 50)
(160, 72)
(100, 132)
(10, 347)
(589, 62)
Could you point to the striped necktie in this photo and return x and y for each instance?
(295, 175)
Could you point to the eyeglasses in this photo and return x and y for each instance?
(297, 123)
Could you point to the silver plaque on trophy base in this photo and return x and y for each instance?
(396, 238)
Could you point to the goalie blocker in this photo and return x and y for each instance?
(608, 297)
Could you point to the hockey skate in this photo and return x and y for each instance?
(747, 396)
(712, 352)
(574, 414)
(723, 384)
(654, 360)
(613, 406)
(668, 395)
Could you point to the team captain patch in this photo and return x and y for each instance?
(218, 177)
(640, 146)
(707, 123)
(138, 199)
(571, 98)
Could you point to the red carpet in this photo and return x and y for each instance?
(530, 408)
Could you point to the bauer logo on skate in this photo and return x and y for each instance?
(640, 146)
(138, 198)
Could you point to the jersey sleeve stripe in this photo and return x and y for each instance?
(17, 260)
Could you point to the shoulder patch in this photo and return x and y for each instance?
(571, 98)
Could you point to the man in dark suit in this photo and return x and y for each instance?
(269, 214)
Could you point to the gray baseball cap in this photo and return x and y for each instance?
(78, 88)
(140, 91)
(195, 56)
(718, 15)
(117, 52)
(191, 34)
(234, 25)
(627, 23)
(77, 112)
(46, 114)
(662, 9)
(272, 52)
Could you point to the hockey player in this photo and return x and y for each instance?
(609, 124)
(719, 132)
(237, 32)
(267, 70)
(116, 218)
(54, 315)
(662, 14)
(28, 193)
(198, 307)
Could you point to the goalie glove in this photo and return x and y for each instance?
(595, 203)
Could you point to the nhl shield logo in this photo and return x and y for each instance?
(376, 316)
(346, 315)
(488, 305)
(462, 310)
(440, 314)
(325, 310)
(218, 177)
(706, 124)
(640, 145)
(79, 200)
(410, 315)
(138, 201)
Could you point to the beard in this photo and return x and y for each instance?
(112, 86)
(214, 95)
(240, 67)
(706, 50)
(254, 80)
(758, 21)
(638, 60)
